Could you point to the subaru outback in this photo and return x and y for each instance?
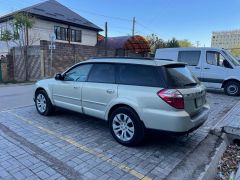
(131, 94)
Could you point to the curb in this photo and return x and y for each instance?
(211, 169)
(237, 176)
(16, 84)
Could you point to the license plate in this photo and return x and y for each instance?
(199, 102)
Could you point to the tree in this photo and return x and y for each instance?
(236, 52)
(172, 43)
(6, 36)
(155, 42)
(185, 43)
(22, 22)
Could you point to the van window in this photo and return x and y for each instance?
(139, 75)
(189, 57)
(102, 73)
(179, 76)
(215, 58)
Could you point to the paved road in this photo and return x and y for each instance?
(15, 96)
(73, 146)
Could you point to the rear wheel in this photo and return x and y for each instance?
(232, 88)
(126, 126)
(43, 103)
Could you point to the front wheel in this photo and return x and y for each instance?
(232, 88)
(126, 127)
(43, 103)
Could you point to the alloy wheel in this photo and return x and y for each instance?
(123, 127)
(41, 103)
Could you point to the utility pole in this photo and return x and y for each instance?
(106, 37)
(25, 51)
(198, 43)
(133, 28)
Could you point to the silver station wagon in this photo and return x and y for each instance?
(131, 94)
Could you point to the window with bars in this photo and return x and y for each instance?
(76, 35)
(65, 34)
(61, 33)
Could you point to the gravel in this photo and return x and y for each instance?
(229, 163)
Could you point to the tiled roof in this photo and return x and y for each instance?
(54, 11)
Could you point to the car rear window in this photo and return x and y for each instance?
(139, 75)
(179, 76)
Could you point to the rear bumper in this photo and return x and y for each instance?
(176, 121)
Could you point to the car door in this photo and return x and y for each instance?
(99, 90)
(67, 92)
(213, 70)
(191, 58)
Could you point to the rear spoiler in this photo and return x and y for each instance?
(174, 65)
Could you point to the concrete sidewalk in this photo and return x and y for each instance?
(230, 123)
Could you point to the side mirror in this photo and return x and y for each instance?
(59, 77)
(226, 64)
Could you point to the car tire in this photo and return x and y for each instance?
(232, 88)
(43, 103)
(126, 127)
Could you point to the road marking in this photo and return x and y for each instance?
(121, 166)
(14, 108)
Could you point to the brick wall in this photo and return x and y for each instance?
(66, 55)
(4, 72)
(39, 59)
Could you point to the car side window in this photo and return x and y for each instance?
(78, 73)
(189, 57)
(215, 58)
(139, 75)
(102, 73)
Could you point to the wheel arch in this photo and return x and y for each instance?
(118, 105)
(228, 80)
(44, 89)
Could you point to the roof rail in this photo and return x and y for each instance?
(123, 57)
(164, 59)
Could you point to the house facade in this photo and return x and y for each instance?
(52, 17)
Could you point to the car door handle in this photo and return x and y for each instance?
(110, 91)
(197, 67)
(76, 87)
(206, 68)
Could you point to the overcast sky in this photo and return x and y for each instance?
(183, 19)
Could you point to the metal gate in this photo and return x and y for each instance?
(0, 72)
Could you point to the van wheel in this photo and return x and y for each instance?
(43, 103)
(232, 88)
(126, 127)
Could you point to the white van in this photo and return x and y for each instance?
(216, 68)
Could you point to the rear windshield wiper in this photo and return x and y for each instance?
(190, 84)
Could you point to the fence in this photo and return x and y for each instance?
(37, 65)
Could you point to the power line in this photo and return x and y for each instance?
(148, 29)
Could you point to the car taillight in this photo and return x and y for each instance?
(173, 97)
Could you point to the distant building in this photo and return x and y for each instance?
(226, 39)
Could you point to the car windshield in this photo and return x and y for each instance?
(231, 58)
(179, 76)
